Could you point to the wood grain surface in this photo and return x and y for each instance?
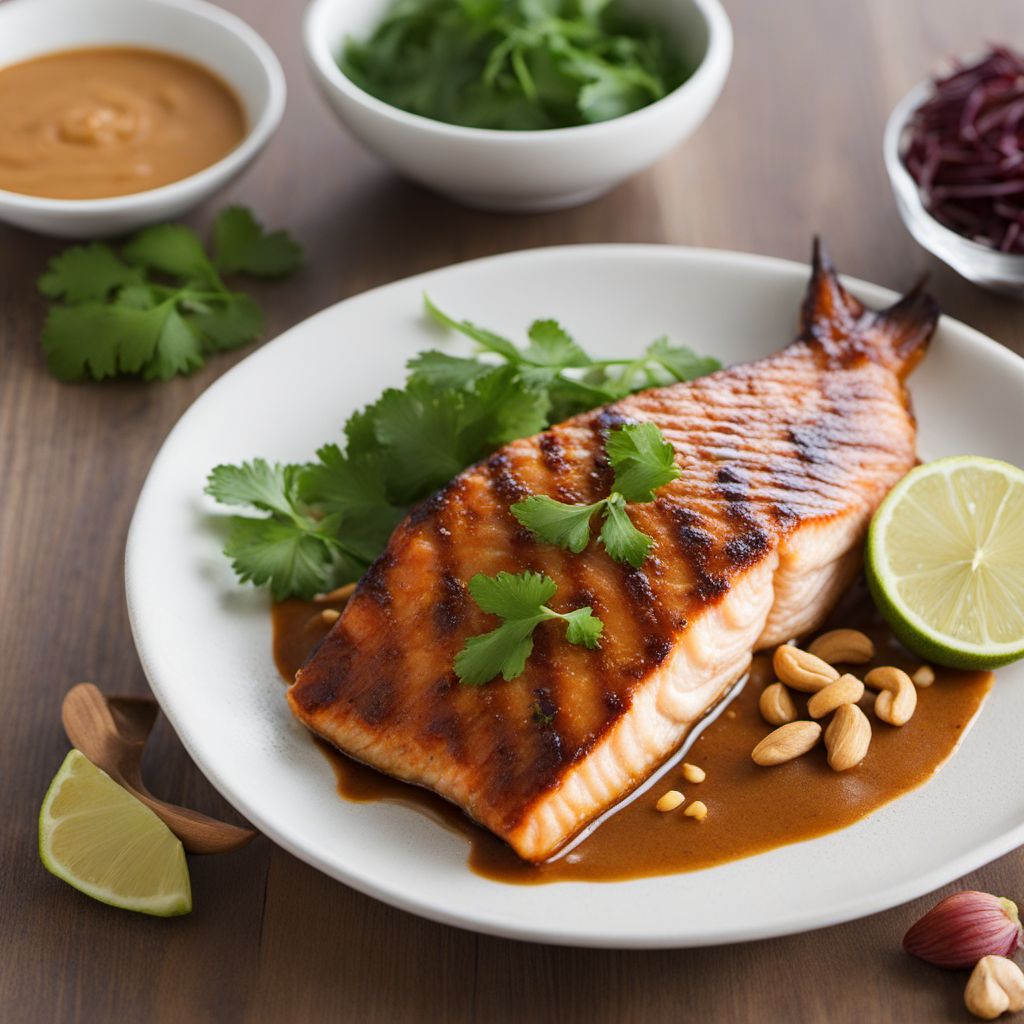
(792, 148)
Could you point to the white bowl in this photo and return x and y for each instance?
(192, 29)
(998, 271)
(520, 171)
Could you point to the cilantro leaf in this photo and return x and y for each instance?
(86, 273)
(502, 651)
(555, 522)
(268, 551)
(352, 490)
(521, 600)
(259, 484)
(294, 552)
(583, 628)
(512, 595)
(487, 340)
(440, 370)
(621, 539)
(642, 459)
(551, 345)
(423, 431)
(240, 244)
(170, 249)
(97, 340)
(176, 347)
(682, 362)
(502, 406)
(226, 321)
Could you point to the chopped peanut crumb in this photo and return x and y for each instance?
(924, 676)
(670, 801)
(698, 809)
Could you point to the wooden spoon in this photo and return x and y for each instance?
(112, 734)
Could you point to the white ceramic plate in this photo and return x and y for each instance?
(205, 642)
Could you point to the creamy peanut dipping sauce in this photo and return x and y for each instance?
(88, 124)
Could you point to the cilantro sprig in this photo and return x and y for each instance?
(642, 461)
(521, 600)
(159, 307)
(340, 508)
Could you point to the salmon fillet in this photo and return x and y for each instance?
(782, 462)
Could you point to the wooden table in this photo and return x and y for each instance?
(792, 148)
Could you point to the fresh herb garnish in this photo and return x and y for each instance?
(341, 509)
(520, 599)
(514, 64)
(643, 461)
(159, 307)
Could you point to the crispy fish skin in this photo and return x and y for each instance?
(782, 463)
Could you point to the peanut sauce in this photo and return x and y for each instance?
(750, 809)
(89, 124)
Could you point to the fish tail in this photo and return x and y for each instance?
(833, 319)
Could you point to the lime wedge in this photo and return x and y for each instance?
(945, 561)
(97, 837)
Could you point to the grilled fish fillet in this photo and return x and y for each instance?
(782, 463)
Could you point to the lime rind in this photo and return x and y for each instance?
(106, 844)
(945, 561)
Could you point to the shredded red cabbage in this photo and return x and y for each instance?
(966, 151)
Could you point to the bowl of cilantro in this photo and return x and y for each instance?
(519, 105)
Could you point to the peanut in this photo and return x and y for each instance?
(847, 738)
(693, 774)
(786, 742)
(670, 801)
(846, 689)
(996, 986)
(802, 670)
(845, 646)
(897, 698)
(341, 594)
(777, 707)
(923, 677)
(329, 616)
(698, 809)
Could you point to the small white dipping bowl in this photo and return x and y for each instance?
(998, 271)
(523, 171)
(192, 29)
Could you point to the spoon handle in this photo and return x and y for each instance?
(112, 733)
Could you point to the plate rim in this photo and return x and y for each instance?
(855, 907)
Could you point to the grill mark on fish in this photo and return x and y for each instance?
(732, 484)
(428, 507)
(442, 721)
(695, 545)
(810, 441)
(748, 547)
(376, 703)
(451, 608)
(504, 482)
(552, 452)
(641, 596)
(374, 583)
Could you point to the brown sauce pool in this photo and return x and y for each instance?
(750, 809)
(94, 123)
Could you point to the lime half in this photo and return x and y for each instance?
(945, 561)
(97, 837)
